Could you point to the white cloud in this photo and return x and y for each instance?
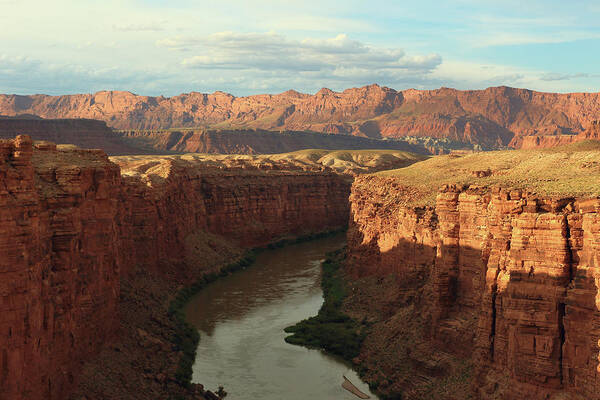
(19, 74)
(168, 47)
(504, 38)
(315, 23)
(473, 75)
(270, 56)
(552, 76)
(140, 27)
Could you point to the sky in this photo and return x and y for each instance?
(243, 47)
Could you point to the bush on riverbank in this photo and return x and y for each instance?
(330, 329)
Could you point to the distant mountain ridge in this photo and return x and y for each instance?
(87, 133)
(84, 133)
(494, 117)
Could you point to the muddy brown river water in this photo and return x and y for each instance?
(241, 319)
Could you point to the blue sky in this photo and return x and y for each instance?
(159, 47)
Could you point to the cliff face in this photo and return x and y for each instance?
(84, 133)
(72, 226)
(95, 134)
(59, 265)
(505, 281)
(257, 142)
(492, 117)
(543, 142)
(165, 200)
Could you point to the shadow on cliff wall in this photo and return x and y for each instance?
(528, 334)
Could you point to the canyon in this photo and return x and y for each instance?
(477, 273)
(492, 118)
(85, 249)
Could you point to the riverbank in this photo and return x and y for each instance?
(156, 347)
(335, 331)
(241, 320)
(146, 359)
(186, 337)
(331, 329)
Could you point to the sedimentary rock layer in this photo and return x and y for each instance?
(71, 226)
(546, 141)
(59, 265)
(256, 141)
(506, 280)
(84, 133)
(492, 117)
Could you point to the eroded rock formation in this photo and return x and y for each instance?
(505, 282)
(493, 117)
(72, 227)
(546, 141)
(256, 141)
(84, 133)
(59, 264)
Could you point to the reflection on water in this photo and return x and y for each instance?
(241, 319)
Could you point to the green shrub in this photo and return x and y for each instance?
(186, 337)
(330, 330)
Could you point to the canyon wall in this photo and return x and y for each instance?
(257, 141)
(492, 118)
(546, 141)
(505, 280)
(59, 265)
(72, 226)
(95, 134)
(84, 133)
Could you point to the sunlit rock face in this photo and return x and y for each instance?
(506, 280)
(72, 226)
(546, 141)
(493, 117)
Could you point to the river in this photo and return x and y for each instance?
(241, 319)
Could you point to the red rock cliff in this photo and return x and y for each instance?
(503, 279)
(257, 141)
(84, 133)
(493, 117)
(546, 141)
(59, 264)
(71, 225)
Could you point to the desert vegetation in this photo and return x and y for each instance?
(569, 170)
(331, 329)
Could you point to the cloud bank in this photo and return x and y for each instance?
(167, 47)
(272, 56)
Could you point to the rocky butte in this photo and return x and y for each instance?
(492, 118)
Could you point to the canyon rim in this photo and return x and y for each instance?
(243, 200)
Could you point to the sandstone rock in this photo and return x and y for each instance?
(535, 142)
(224, 141)
(511, 279)
(84, 133)
(71, 226)
(493, 117)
